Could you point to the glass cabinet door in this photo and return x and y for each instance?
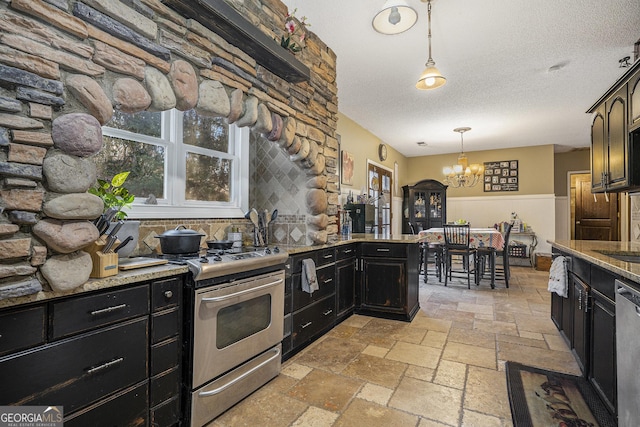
(419, 205)
(435, 205)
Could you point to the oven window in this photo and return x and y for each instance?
(239, 321)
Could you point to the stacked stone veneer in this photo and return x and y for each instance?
(64, 67)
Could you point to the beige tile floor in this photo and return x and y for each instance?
(445, 368)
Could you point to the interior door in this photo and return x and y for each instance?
(379, 182)
(595, 217)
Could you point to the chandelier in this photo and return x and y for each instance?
(462, 174)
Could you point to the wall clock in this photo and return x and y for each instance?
(382, 152)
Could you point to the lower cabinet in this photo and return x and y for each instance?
(388, 280)
(587, 321)
(345, 281)
(110, 357)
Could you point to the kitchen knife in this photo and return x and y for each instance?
(123, 244)
(113, 235)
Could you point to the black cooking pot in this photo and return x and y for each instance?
(180, 241)
(220, 244)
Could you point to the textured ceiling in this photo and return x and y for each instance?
(496, 56)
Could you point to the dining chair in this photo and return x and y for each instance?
(504, 273)
(457, 239)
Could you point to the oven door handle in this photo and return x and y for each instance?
(240, 377)
(237, 294)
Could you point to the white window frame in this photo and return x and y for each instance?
(175, 205)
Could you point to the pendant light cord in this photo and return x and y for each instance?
(429, 20)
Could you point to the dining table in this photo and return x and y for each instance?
(479, 237)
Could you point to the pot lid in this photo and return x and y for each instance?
(181, 230)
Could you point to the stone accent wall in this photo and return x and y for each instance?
(65, 65)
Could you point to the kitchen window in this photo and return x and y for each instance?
(182, 164)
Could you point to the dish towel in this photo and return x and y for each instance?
(558, 282)
(309, 278)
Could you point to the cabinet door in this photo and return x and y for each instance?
(598, 146)
(567, 317)
(616, 121)
(602, 371)
(580, 322)
(345, 273)
(634, 101)
(384, 282)
(556, 309)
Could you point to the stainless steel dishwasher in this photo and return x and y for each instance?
(628, 353)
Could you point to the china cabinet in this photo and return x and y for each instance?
(424, 205)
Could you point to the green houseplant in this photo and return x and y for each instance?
(114, 194)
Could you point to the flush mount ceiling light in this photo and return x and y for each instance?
(395, 17)
(430, 77)
(462, 174)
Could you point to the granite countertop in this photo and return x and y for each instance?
(586, 249)
(168, 270)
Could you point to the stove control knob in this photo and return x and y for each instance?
(267, 251)
(217, 258)
(276, 250)
(204, 260)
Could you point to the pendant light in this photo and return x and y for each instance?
(431, 77)
(395, 17)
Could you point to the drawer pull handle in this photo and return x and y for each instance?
(348, 251)
(383, 250)
(306, 325)
(105, 365)
(328, 280)
(328, 256)
(328, 312)
(168, 294)
(108, 309)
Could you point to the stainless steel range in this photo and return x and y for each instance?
(234, 317)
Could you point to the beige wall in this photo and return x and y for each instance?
(535, 169)
(577, 160)
(364, 146)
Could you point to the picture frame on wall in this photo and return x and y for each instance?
(346, 168)
(501, 176)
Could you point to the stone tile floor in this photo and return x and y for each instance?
(445, 368)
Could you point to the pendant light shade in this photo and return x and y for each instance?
(395, 17)
(430, 77)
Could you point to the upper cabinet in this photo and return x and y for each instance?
(424, 205)
(615, 148)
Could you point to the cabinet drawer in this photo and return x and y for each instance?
(326, 277)
(581, 268)
(309, 322)
(166, 293)
(128, 408)
(165, 324)
(22, 328)
(78, 371)
(84, 313)
(604, 282)
(165, 355)
(384, 250)
(166, 414)
(345, 251)
(165, 386)
(325, 256)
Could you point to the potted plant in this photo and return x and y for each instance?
(115, 195)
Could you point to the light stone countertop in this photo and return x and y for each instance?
(168, 270)
(586, 249)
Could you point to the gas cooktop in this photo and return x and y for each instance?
(222, 263)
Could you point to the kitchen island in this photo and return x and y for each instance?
(588, 317)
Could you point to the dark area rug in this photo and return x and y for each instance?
(541, 398)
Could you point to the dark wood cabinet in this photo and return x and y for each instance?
(424, 205)
(346, 281)
(388, 280)
(615, 155)
(587, 321)
(109, 357)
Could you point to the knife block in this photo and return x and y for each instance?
(103, 265)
